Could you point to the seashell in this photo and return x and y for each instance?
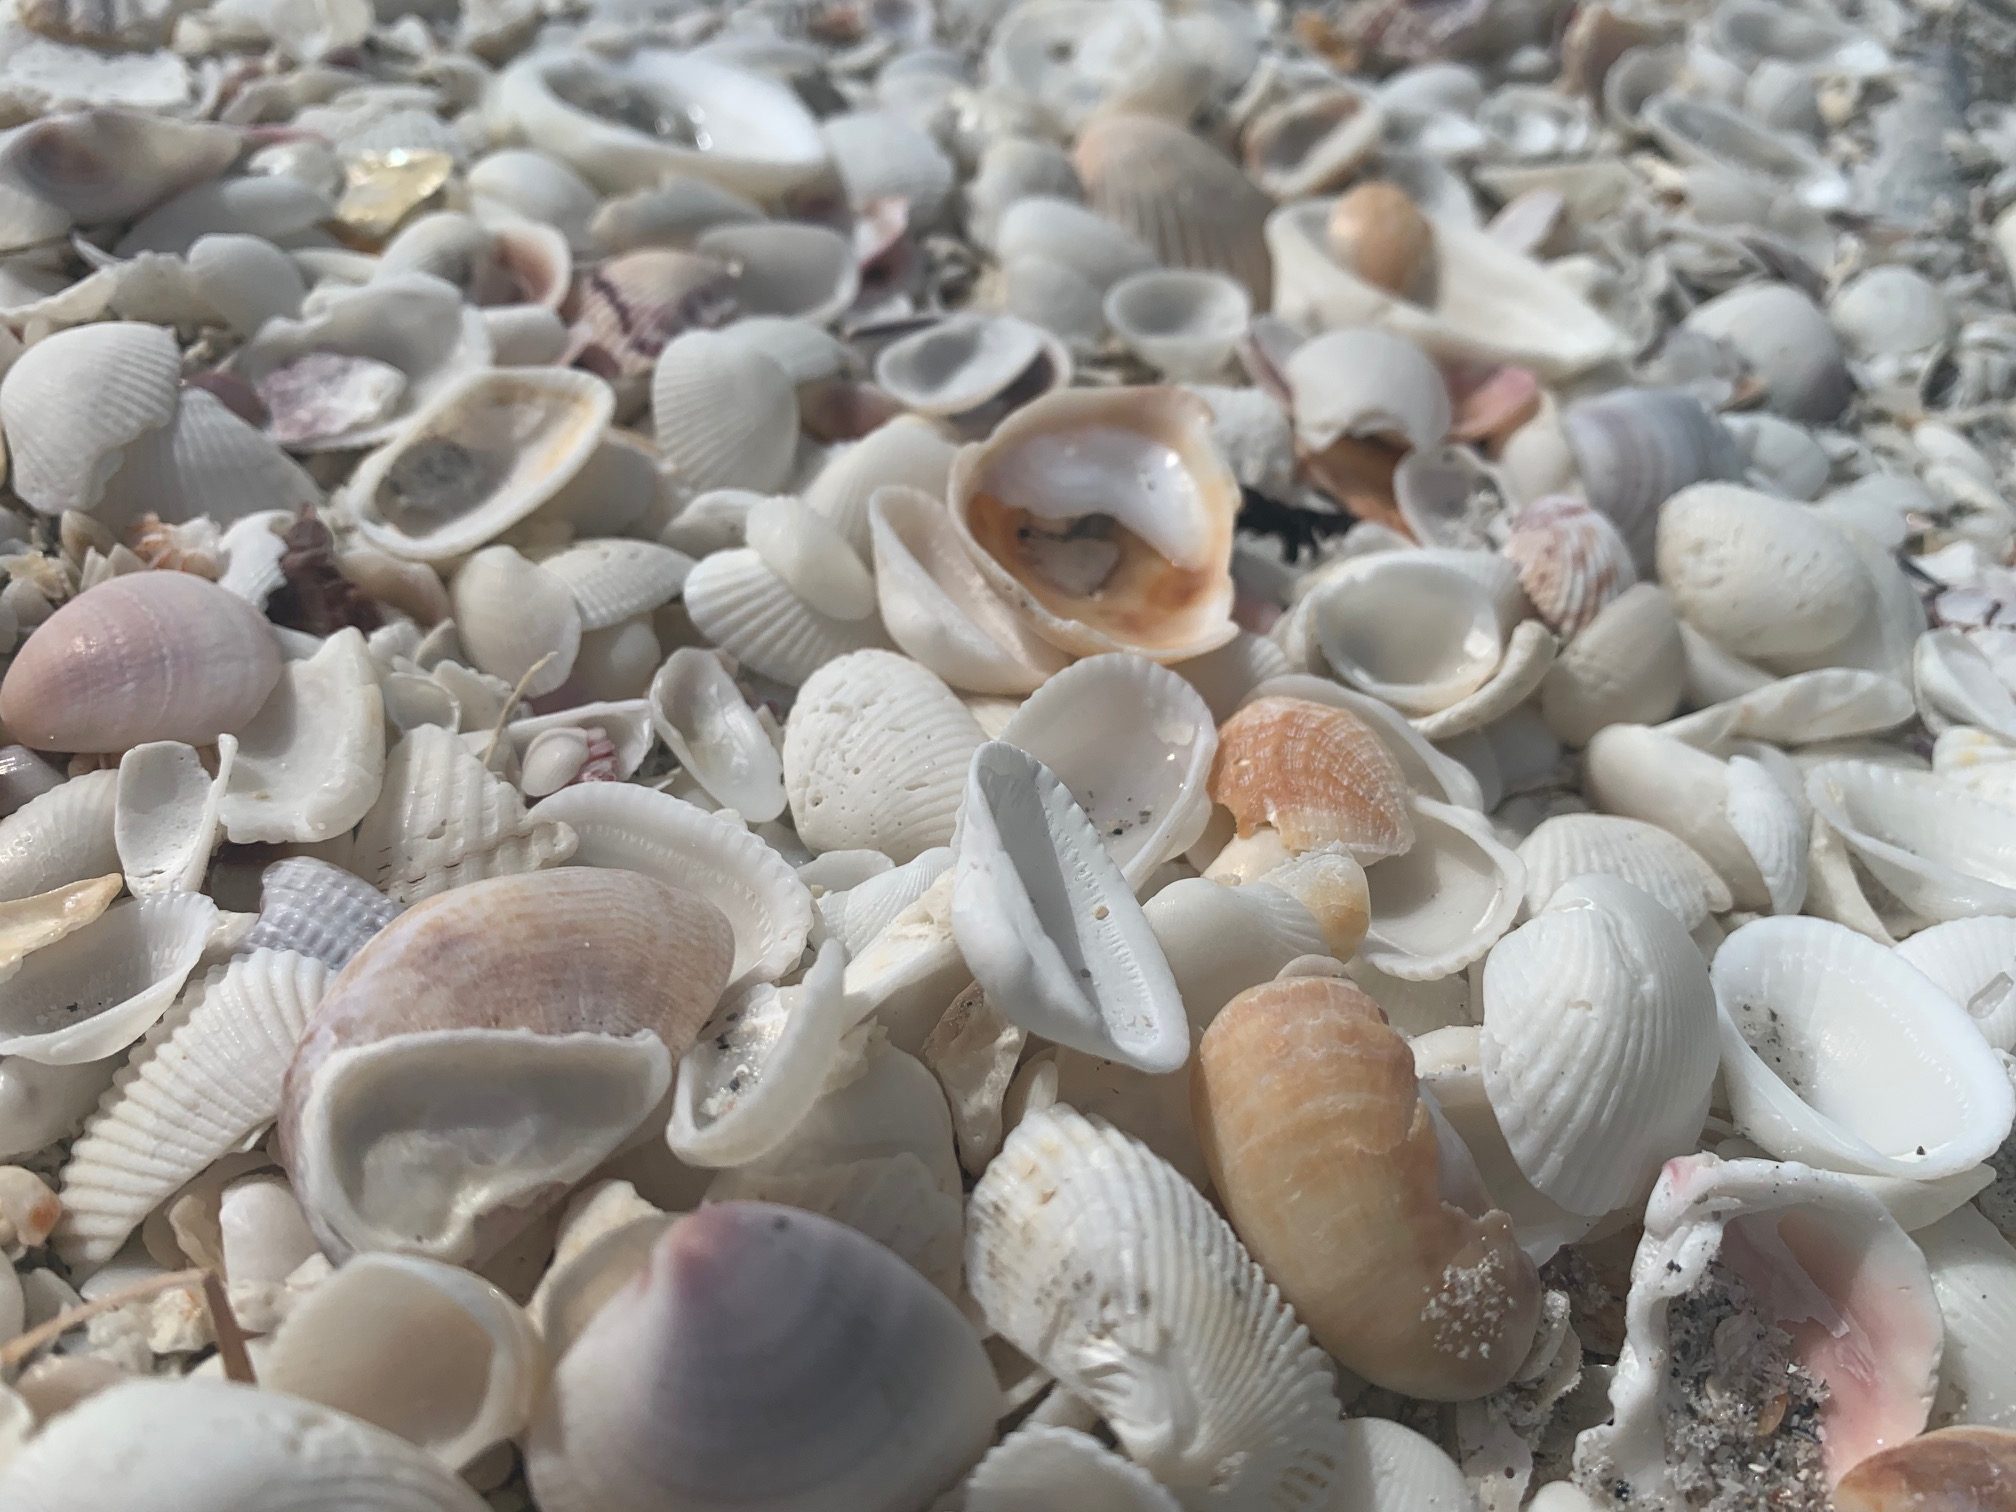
(1317, 775)
(1189, 202)
(1065, 233)
(1148, 574)
(206, 462)
(29, 924)
(725, 414)
(1067, 1197)
(1069, 61)
(62, 836)
(1010, 170)
(1221, 940)
(810, 555)
(517, 621)
(148, 656)
(906, 452)
(1571, 559)
(442, 820)
(1313, 141)
(1452, 643)
(1423, 768)
(964, 362)
(1798, 1077)
(1890, 311)
(857, 915)
(1972, 961)
(100, 165)
(880, 1356)
(1366, 383)
(1943, 852)
(628, 309)
(1182, 322)
(1599, 1043)
(637, 829)
(1771, 1232)
(41, 1104)
(434, 1354)
(1950, 1465)
(1529, 653)
(1037, 1467)
(24, 777)
(875, 755)
(778, 268)
(515, 263)
(585, 1037)
(1956, 683)
(1077, 964)
(1973, 1269)
(62, 453)
(165, 819)
(1650, 859)
(880, 156)
(216, 1444)
(1696, 130)
(204, 1082)
(481, 455)
(614, 580)
(318, 910)
(1636, 448)
(1626, 665)
(1301, 1080)
(1829, 703)
(1786, 343)
(1442, 904)
(310, 763)
(671, 212)
(523, 184)
(704, 719)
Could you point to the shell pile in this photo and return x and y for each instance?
(1007, 755)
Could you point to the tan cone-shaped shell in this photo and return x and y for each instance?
(1326, 1160)
(1319, 775)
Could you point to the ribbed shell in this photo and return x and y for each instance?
(1973, 961)
(442, 820)
(1599, 1043)
(907, 451)
(627, 309)
(1974, 1277)
(59, 837)
(206, 1078)
(310, 763)
(1317, 774)
(317, 909)
(750, 612)
(1038, 1467)
(1635, 448)
(1944, 852)
(1571, 560)
(1649, 858)
(62, 451)
(875, 755)
(724, 415)
(614, 580)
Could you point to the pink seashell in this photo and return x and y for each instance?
(1571, 560)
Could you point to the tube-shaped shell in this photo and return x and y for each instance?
(147, 656)
(1318, 775)
(882, 1400)
(1326, 1158)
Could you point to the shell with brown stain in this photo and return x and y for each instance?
(1317, 775)
(1381, 233)
(1962, 1469)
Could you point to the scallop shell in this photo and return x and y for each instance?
(204, 1082)
(743, 606)
(1636, 448)
(165, 822)
(1182, 322)
(704, 719)
(517, 622)
(614, 580)
(1626, 666)
(724, 414)
(310, 763)
(1423, 768)
(1038, 1467)
(1571, 560)
(1814, 1016)
(317, 909)
(1446, 901)
(1316, 775)
(1599, 1043)
(1655, 862)
(1943, 852)
(1973, 961)
(805, 549)
(62, 453)
(1068, 1197)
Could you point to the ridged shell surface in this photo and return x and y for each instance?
(1655, 862)
(1973, 961)
(1179, 194)
(1038, 1467)
(741, 605)
(63, 452)
(725, 415)
(1319, 775)
(1571, 560)
(61, 836)
(317, 909)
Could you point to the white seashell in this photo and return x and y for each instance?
(1314, 140)
(28, 924)
(879, 155)
(1830, 703)
(875, 754)
(204, 1082)
(310, 763)
(1411, 631)
(1626, 666)
(883, 1402)
(1599, 1043)
(1655, 862)
(782, 269)
(441, 820)
(481, 455)
(95, 991)
(1446, 901)
(205, 462)
(1973, 961)
(702, 716)
(166, 1445)
(1073, 960)
(1178, 193)
(1194, 1321)
(1956, 684)
(1182, 322)
(856, 916)
(958, 364)
(40, 1104)
(724, 414)
(317, 909)
(525, 184)
(739, 604)
(62, 453)
(1234, 673)
(1571, 559)
(1069, 235)
(427, 1351)
(1635, 448)
(1038, 1467)
(166, 821)
(1890, 310)
(1529, 653)
(808, 552)
(516, 621)
(1365, 382)
(1940, 850)
(1785, 340)
(1221, 940)
(1068, 61)
(622, 825)
(1815, 1017)
(908, 452)
(1973, 1271)
(615, 580)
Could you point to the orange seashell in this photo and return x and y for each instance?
(1571, 560)
(1327, 1163)
(1377, 231)
(1318, 775)
(1951, 1470)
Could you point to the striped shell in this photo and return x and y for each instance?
(1318, 775)
(1571, 560)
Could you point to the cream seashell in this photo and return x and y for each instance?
(1446, 901)
(1313, 141)
(637, 829)
(1529, 653)
(427, 1351)
(317, 909)
(1940, 850)
(206, 461)
(1706, 132)
(1182, 322)
(1815, 1016)
(724, 414)
(623, 1428)
(311, 761)
(458, 996)
(1082, 241)
(1655, 862)
(1635, 448)
(875, 754)
(28, 924)
(63, 453)
(525, 184)
(1038, 1467)
(1067, 1197)
(614, 580)
(177, 1445)
(1422, 767)
(1316, 776)
(148, 656)
(165, 823)
(1134, 744)
(1626, 666)
(480, 456)
(204, 1082)
(1782, 1232)
(784, 269)
(1786, 342)
(745, 608)
(1234, 673)
(906, 452)
(963, 362)
(1189, 202)
(516, 621)
(1973, 1270)
(441, 820)
(804, 549)
(1415, 632)
(702, 716)
(97, 990)
(1363, 382)
(1571, 559)
(1599, 1043)
(1973, 961)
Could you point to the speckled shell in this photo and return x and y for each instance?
(1318, 775)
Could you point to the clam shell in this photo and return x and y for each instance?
(1189, 202)
(148, 656)
(724, 414)
(63, 453)
(1571, 560)
(704, 719)
(1830, 703)
(1038, 1467)
(1655, 862)
(1366, 383)
(1010, 170)
(628, 309)
(1814, 1016)
(784, 269)
(1947, 1464)
(906, 452)
(1973, 1271)
(670, 212)
(743, 606)
(1191, 1318)
(1943, 852)
(614, 580)
(1626, 666)
(964, 362)
(1955, 683)
(1314, 140)
(1182, 322)
(1406, 628)
(204, 1082)
(804, 549)
(40, 1104)
(1599, 1043)
(1326, 1160)
(1636, 448)
(1067, 234)
(1695, 130)
(311, 761)
(525, 184)
(879, 155)
(517, 622)
(1446, 901)
(1232, 674)
(317, 909)
(1221, 940)
(1070, 61)
(857, 915)
(1973, 961)
(1786, 342)
(1317, 775)
(1073, 959)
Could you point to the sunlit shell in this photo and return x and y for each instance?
(63, 453)
(1317, 775)
(1649, 858)
(1446, 900)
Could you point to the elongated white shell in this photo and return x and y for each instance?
(1175, 1311)
(1049, 923)
(1446, 901)
(1038, 1467)
(1649, 858)
(28, 924)
(1599, 1043)
(311, 762)
(61, 836)
(704, 719)
(1973, 961)
(165, 824)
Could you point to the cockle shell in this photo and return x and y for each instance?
(1190, 203)
(1942, 851)
(1973, 1272)
(147, 656)
(1221, 940)
(1302, 1089)
(725, 415)
(1038, 1467)
(101, 165)
(1188, 1316)
(207, 461)
(1973, 961)
(1652, 860)
(1949, 1467)
(1422, 767)
(785, 270)
(1828, 703)
(626, 310)
(742, 605)
(317, 909)
(708, 724)
(812, 558)
(62, 453)
(1446, 900)
(1316, 775)
(1635, 448)
(1452, 644)
(204, 1081)
(462, 986)
(165, 822)
(517, 622)
(1571, 560)
(1080, 241)
(616, 579)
